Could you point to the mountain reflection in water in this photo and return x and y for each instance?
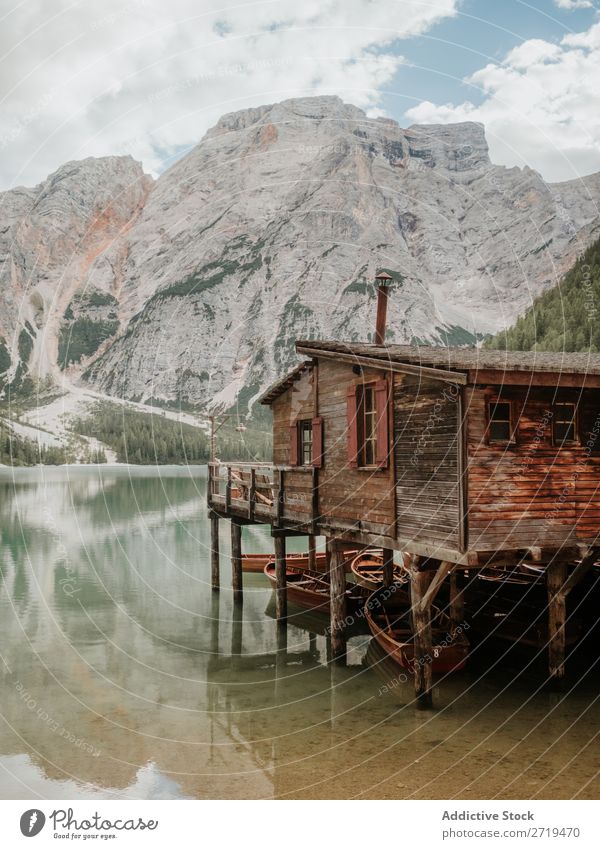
(123, 675)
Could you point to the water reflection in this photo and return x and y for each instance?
(122, 674)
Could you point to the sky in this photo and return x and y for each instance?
(149, 77)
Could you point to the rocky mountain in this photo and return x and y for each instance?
(193, 287)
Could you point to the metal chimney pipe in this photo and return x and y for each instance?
(383, 281)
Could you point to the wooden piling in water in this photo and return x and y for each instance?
(388, 567)
(236, 561)
(337, 603)
(280, 579)
(215, 579)
(457, 602)
(423, 641)
(556, 576)
(312, 552)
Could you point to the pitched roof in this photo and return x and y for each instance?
(275, 389)
(463, 358)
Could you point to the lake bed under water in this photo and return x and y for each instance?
(123, 676)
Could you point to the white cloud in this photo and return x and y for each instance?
(83, 79)
(573, 4)
(541, 106)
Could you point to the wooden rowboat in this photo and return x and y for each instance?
(387, 612)
(257, 562)
(367, 569)
(311, 589)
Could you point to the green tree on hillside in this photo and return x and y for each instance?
(566, 318)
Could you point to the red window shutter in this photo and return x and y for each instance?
(352, 426)
(293, 445)
(317, 443)
(382, 410)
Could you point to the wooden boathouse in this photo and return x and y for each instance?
(462, 458)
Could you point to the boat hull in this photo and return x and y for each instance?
(256, 562)
(302, 592)
(450, 650)
(367, 569)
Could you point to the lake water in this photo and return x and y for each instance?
(123, 676)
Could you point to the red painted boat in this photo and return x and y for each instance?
(387, 612)
(257, 562)
(311, 589)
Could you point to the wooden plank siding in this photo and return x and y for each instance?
(349, 494)
(427, 451)
(532, 492)
(292, 406)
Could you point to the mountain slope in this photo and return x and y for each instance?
(272, 228)
(564, 318)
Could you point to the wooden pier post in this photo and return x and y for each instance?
(281, 579)
(337, 603)
(556, 576)
(457, 602)
(236, 561)
(215, 579)
(237, 625)
(423, 643)
(388, 567)
(312, 552)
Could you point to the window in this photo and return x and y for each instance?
(500, 421)
(367, 412)
(306, 442)
(305, 434)
(564, 429)
(367, 425)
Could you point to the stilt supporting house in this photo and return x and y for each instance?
(337, 603)
(388, 567)
(312, 552)
(556, 576)
(281, 579)
(457, 602)
(236, 560)
(423, 644)
(559, 583)
(215, 579)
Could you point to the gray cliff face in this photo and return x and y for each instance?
(272, 228)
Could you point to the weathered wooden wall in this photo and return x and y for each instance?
(288, 408)
(348, 494)
(295, 404)
(427, 450)
(532, 492)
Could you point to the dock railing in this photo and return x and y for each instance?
(263, 492)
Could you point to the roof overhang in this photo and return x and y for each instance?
(283, 384)
(457, 377)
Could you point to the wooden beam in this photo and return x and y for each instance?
(388, 567)
(312, 552)
(445, 568)
(580, 571)
(280, 497)
(354, 534)
(539, 378)
(423, 642)
(252, 494)
(556, 574)
(280, 579)
(236, 560)
(457, 602)
(215, 580)
(444, 375)
(228, 489)
(337, 602)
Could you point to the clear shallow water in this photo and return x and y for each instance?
(122, 676)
